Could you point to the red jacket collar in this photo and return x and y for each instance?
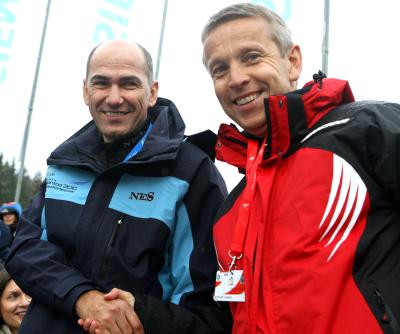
(289, 117)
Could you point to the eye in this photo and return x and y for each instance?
(218, 70)
(99, 83)
(251, 57)
(130, 84)
(13, 296)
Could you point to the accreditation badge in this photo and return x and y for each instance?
(229, 286)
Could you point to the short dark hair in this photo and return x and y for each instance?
(148, 64)
(281, 34)
(5, 278)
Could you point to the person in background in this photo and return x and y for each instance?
(10, 212)
(13, 304)
(6, 239)
(119, 239)
(312, 233)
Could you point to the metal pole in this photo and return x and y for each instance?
(30, 109)
(160, 44)
(325, 42)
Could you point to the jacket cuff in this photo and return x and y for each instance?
(139, 303)
(67, 304)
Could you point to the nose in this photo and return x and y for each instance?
(238, 77)
(25, 300)
(114, 97)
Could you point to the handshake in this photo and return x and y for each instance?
(110, 313)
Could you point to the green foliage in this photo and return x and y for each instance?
(8, 183)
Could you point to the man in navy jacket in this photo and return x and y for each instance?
(127, 206)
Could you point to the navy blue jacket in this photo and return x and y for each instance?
(144, 226)
(5, 241)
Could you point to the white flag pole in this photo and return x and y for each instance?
(325, 41)
(160, 44)
(30, 109)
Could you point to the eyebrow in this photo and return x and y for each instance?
(242, 50)
(249, 48)
(14, 293)
(131, 78)
(98, 77)
(126, 79)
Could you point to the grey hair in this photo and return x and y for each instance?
(148, 64)
(280, 32)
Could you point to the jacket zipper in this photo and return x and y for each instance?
(105, 266)
(387, 314)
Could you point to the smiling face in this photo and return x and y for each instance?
(13, 305)
(117, 90)
(10, 218)
(246, 67)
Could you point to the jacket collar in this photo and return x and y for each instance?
(162, 143)
(289, 118)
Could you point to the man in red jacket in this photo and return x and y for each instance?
(309, 241)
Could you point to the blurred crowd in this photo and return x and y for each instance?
(13, 301)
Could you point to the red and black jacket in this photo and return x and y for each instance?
(322, 247)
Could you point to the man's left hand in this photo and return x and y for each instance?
(94, 327)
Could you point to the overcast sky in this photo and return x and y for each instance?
(363, 49)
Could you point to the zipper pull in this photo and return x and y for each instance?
(114, 235)
(385, 317)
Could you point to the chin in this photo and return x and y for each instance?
(256, 132)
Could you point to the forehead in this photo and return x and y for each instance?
(117, 56)
(241, 32)
(8, 214)
(11, 286)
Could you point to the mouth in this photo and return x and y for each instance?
(114, 113)
(21, 314)
(247, 99)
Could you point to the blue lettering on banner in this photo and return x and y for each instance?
(124, 4)
(287, 10)
(114, 20)
(7, 20)
(5, 14)
(103, 29)
(118, 19)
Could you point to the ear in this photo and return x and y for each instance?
(85, 92)
(295, 63)
(153, 93)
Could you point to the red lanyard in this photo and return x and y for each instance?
(254, 158)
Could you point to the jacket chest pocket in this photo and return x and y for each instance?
(138, 245)
(385, 309)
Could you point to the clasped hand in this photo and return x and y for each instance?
(110, 313)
